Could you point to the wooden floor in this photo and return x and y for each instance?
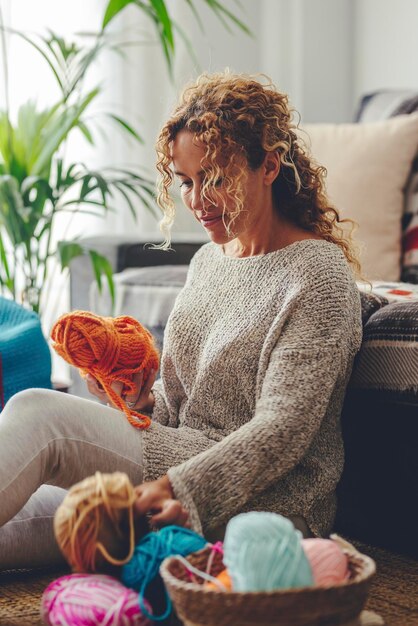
(394, 592)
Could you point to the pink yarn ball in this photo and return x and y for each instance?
(328, 562)
(91, 599)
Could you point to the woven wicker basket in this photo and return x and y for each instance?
(196, 605)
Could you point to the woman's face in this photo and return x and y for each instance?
(188, 154)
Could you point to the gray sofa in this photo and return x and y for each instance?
(378, 493)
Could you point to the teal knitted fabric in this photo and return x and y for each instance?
(25, 358)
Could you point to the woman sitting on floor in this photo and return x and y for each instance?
(257, 353)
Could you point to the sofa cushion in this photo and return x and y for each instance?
(370, 303)
(410, 228)
(390, 291)
(388, 358)
(383, 104)
(368, 167)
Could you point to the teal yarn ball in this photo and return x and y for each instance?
(263, 552)
(150, 552)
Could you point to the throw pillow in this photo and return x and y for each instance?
(25, 359)
(410, 228)
(368, 167)
(388, 358)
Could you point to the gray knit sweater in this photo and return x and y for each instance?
(257, 355)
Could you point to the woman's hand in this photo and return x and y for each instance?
(157, 499)
(142, 400)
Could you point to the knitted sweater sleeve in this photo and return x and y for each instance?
(312, 350)
(164, 412)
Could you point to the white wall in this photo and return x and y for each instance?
(386, 45)
(306, 48)
(328, 53)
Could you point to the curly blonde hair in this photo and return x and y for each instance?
(236, 116)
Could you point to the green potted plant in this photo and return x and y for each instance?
(37, 183)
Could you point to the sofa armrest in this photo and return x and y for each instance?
(81, 271)
(124, 253)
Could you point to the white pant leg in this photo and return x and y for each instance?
(59, 439)
(27, 540)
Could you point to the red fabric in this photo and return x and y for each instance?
(410, 241)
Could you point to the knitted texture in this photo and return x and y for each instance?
(91, 600)
(110, 349)
(256, 359)
(94, 524)
(25, 359)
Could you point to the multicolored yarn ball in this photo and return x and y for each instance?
(263, 552)
(94, 524)
(150, 552)
(110, 349)
(328, 562)
(91, 599)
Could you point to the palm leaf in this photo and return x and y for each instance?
(102, 185)
(58, 130)
(196, 14)
(67, 61)
(124, 124)
(60, 53)
(120, 187)
(79, 63)
(36, 191)
(151, 206)
(26, 140)
(157, 11)
(164, 21)
(42, 53)
(222, 13)
(101, 266)
(113, 8)
(6, 141)
(6, 278)
(71, 175)
(69, 250)
(59, 47)
(86, 132)
(188, 44)
(12, 210)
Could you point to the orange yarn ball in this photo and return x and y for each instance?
(224, 579)
(110, 349)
